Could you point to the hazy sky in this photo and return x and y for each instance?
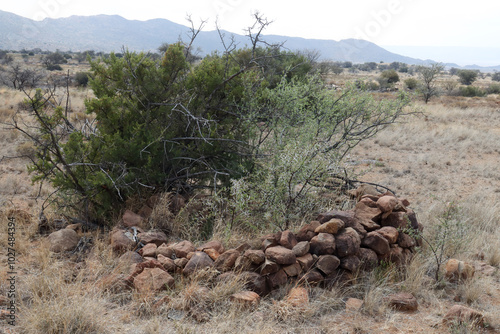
(384, 22)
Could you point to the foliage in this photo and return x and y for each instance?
(494, 89)
(389, 76)
(53, 60)
(82, 78)
(471, 91)
(428, 76)
(411, 83)
(495, 76)
(467, 77)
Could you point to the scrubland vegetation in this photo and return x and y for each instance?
(255, 140)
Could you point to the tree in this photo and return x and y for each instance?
(495, 76)
(17, 77)
(411, 83)
(53, 60)
(467, 77)
(391, 76)
(428, 75)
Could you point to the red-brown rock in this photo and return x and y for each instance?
(376, 242)
(255, 282)
(387, 203)
(156, 237)
(288, 239)
(256, 256)
(167, 263)
(214, 244)
(130, 219)
(399, 220)
(301, 248)
(280, 255)
(327, 264)
(459, 314)
(347, 242)
(306, 261)
(298, 297)
(277, 279)
(199, 260)
(390, 233)
(351, 263)
(406, 241)
(368, 258)
(183, 248)
(63, 240)
(245, 299)
(323, 244)
(152, 280)
(313, 276)
(149, 250)
(165, 250)
(226, 260)
(458, 270)
(332, 226)
(293, 270)
(403, 302)
(269, 267)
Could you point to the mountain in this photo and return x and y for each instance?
(112, 33)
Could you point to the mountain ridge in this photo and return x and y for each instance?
(112, 33)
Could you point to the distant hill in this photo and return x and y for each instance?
(112, 32)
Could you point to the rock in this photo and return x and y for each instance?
(323, 244)
(181, 262)
(399, 220)
(405, 241)
(376, 242)
(256, 256)
(368, 258)
(396, 255)
(214, 254)
(306, 261)
(280, 255)
(245, 299)
(199, 260)
(63, 240)
(145, 211)
(293, 269)
(121, 241)
(327, 264)
(459, 314)
(332, 226)
(183, 248)
(301, 248)
(306, 233)
(403, 302)
(363, 189)
(456, 270)
(165, 250)
(139, 268)
(269, 267)
(217, 245)
(167, 263)
(269, 241)
(76, 227)
(351, 263)
(244, 264)
(339, 277)
(277, 279)
(153, 280)
(368, 217)
(155, 237)
(353, 304)
(148, 250)
(115, 283)
(255, 282)
(370, 201)
(390, 233)
(243, 247)
(387, 203)
(298, 297)
(347, 217)
(130, 219)
(130, 257)
(313, 276)
(288, 239)
(347, 242)
(226, 260)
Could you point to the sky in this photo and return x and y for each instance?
(384, 22)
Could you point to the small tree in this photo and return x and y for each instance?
(428, 75)
(390, 75)
(411, 83)
(467, 77)
(53, 60)
(495, 76)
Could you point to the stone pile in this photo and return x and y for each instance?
(326, 251)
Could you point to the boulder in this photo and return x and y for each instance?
(167, 263)
(305, 261)
(277, 279)
(459, 314)
(155, 237)
(376, 242)
(130, 219)
(368, 258)
(332, 226)
(214, 244)
(165, 250)
(390, 233)
(245, 299)
(183, 248)
(405, 240)
(226, 260)
(149, 250)
(255, 282)
(288, 239)
(403, 302)
(214, 254)
(387, 203)
(280, 255)
(327, 264)
(63, 240)
(269, 267)
(199, 260)
(301, 248)
(153, 280)
(312, 277)
(456, 270)
(351, 263)
(256, 256)
(347, 242)
(293, 270)
(367, 216)
(323, 244)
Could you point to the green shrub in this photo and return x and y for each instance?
(82, 79)
(471, 91)
(411, 83)
(495, 76)
(493, 89)
(467, 77)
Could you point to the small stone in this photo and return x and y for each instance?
(226, 260)
(376, 242)
(63, 240)
(306, 261)
(256, 256)
(390, 233)
(167, 263)
(165, 250)
(313, 276)
(149, 250)
(183, 248)
(277, 279)
(280, 255)
(323, 244)
(152, 280)
(269, 267)
(293, 269)
(199, 260)
(387, 203)
(332, 226)
(288, 239)
(214, 244)
(298, 297)
(353, 304)
(214, 254)
(351, 263)
(301, 248)
(459, 314)
(347, 242)
(130, 219)
(327, 264)
(181, 262)
(456, 270)
(403, 302)
(245, 298)
(156, 237)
